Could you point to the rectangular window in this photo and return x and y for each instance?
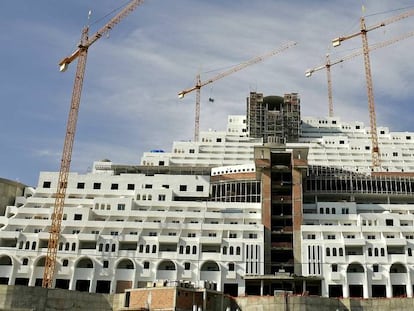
(77, 217)
(191, 150)
(161, 197)
(148, 186)
(46, 184)
(97, 185)
(131, 187)
(105, 264)
(183, 187)
(232, 235)
(121, 207)
(200, 188)
(375, 268)
(389, 222)
(114, 187)
(81, 185)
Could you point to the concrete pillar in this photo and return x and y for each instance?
(409, 287)
(261, 287)
(388, 288)
(345, 288)
(324, 289)
(365, 288)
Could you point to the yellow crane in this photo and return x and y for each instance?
(80, 54)
(330, 63)
(200, 84)
(368, 76)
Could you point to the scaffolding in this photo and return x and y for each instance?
(276, 119)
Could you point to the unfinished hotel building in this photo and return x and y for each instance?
(276, 202)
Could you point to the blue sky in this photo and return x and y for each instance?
(129, 102)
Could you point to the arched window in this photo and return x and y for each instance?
(25, 261)
(369, 251)
(376, 252)
(21, 245)
(147, 248)
(100, 247)
(238, 250)
(33, 246)
(187, 249)
(328, 251)
(341, 251)
(231, 251)
(67, 246)
(181, 251)
(224, 250)
(106, 247)
(113, 247)
(194, 249)
(73, 246)
(65, 262)
(27, 245)
(141, 248)
(333, 251)
(154, 249)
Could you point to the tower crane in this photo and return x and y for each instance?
(200, 84)
(80, 54)
(365, 49)
(330, 63)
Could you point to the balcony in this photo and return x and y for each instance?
(231, 275)
(335, 276)
(376, 276)
(284, 245)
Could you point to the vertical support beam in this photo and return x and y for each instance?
(263, 169)
(299, 164)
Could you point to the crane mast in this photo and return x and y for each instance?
(370, 92)
(328, 76)
(375, 153)
(80, 54)
(329, 63)
(234, 69)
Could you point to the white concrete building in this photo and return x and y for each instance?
(231, 213)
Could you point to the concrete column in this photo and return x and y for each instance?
(365, 289)
(261, 287)
(388, 288)
(409, 287)
(324, 289)
(345, 288)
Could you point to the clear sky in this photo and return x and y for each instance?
(129, 101)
